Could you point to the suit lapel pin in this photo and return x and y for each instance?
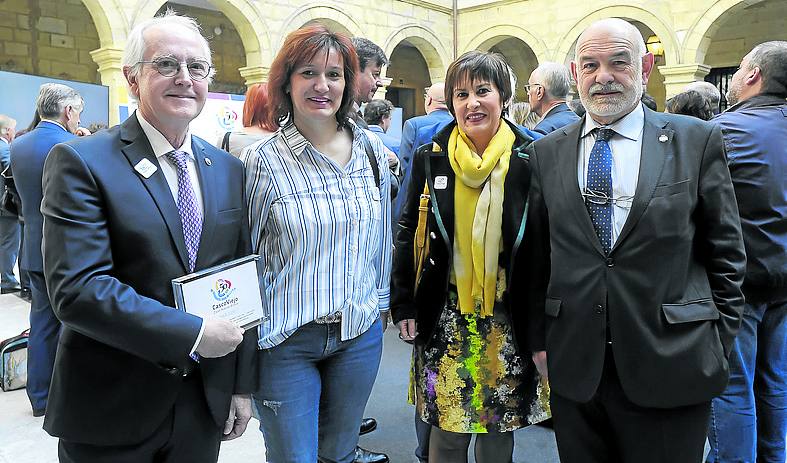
(663, 138)
(145, 168)
(207, 161)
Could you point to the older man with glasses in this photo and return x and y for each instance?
(126, 211)
(547, 89)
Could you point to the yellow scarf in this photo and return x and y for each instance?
(478, 205)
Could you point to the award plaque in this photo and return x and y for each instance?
(230, 291)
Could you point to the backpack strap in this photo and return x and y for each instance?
(372, 159)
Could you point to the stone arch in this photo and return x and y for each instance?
(243, 14)
(431, 48)
(110, 24)
(698, 38)
(519, 54)
(668, 38)
(334, 26)
(485, 39)
(321, 13)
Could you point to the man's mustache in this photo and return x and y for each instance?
(606, 88)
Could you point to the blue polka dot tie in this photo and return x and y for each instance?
(599, 180)
(188, 208)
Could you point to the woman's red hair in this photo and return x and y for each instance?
(300, 47)
(255, 107)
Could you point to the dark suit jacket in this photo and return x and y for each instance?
(113, 241)
(28, 154)
(426, 303)
(670, 287)
(560, 116)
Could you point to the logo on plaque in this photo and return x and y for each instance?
(222, 289)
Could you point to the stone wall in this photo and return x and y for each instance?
(50, 38)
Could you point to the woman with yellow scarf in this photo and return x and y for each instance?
(461, 310)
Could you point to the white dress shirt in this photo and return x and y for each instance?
(626, 146)
(161, 147)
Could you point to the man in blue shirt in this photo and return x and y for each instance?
(749, 419)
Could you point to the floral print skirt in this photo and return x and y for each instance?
(470, 378)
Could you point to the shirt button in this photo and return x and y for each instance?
(599, 308)
(610, 262)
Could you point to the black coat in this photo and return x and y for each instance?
(426, 303)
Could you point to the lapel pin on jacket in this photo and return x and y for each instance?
(663, 138)
(145, 168)
(207, 161)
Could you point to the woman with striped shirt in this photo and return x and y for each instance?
(319, 210)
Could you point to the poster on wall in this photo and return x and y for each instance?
(222, 113)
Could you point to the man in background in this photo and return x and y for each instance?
(59, 107)
(9, 223)
(547, 89)
(708, 91)
(436, 113)
(749, 419)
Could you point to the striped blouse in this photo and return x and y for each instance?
(323, 232)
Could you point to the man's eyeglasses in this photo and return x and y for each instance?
(529, 86)
(600, 198)
(199, 69)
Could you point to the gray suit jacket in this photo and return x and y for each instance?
(669, 290)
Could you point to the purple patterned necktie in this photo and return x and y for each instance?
(190, 213)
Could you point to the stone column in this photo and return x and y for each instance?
(676, 77)
(108, 60)
(254, 74)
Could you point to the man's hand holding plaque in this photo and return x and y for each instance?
(230, 293)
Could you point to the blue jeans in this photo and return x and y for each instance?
(749, 420)
(313, 391)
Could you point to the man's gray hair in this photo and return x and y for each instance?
(771, 58)
(707, 90)
(53, 99)
(135, 44)
(555, 78)
(6, 122)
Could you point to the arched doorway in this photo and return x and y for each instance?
(331, 25)
(409, 74)
(735, 32)
(229, 54)
(519, 56)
